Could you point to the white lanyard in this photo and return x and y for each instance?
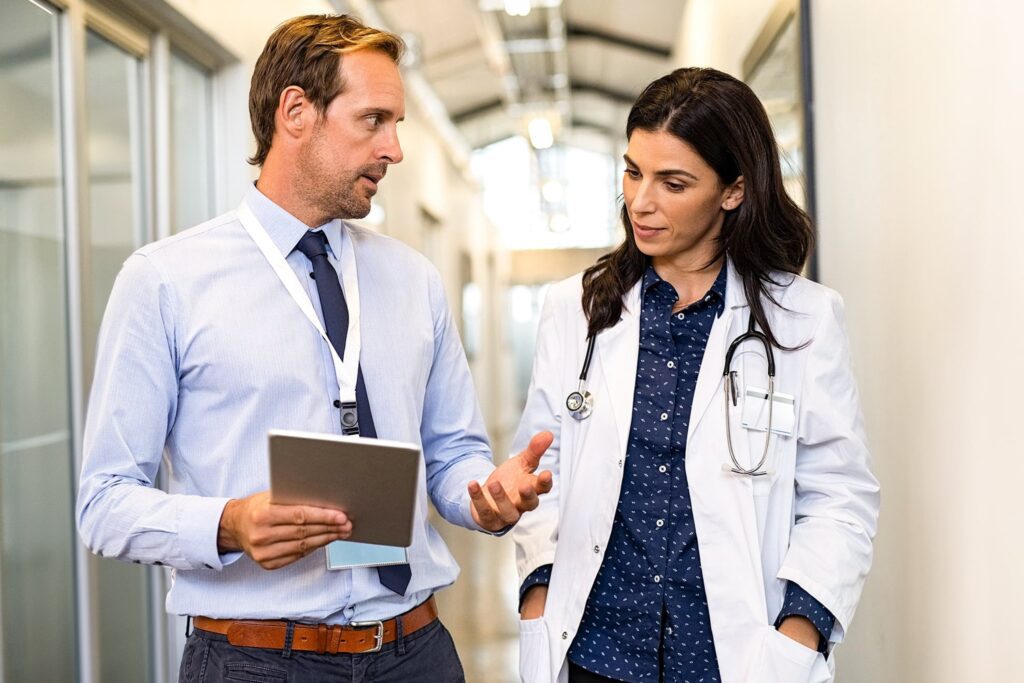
(345, 370)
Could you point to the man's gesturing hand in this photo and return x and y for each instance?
(512, 488)
(277, 535)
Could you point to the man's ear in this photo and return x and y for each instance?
(294, 112)
(733, 195)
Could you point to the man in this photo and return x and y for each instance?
(204, 348)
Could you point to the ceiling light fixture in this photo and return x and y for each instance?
(541, 136)
(517, 8)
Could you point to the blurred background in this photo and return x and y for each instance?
(124, 121)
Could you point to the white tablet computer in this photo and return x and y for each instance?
(372, 480)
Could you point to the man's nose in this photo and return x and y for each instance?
(391, 151)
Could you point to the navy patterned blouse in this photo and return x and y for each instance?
(647, 616)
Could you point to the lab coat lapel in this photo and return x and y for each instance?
(619, 348)
(724, 330)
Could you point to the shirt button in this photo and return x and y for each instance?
(663, 469)
(671, 364)
(660, 523)
(657, 579)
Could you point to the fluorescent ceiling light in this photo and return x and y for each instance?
(541, 136)
(517, 8)
(552, 191)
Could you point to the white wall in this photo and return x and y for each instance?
(920, 142)
(919, 145)
(718, 33)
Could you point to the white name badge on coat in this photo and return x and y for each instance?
(755, 411)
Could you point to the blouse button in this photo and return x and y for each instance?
(657, 579)
(671, 364)
(681, 316)
(663, 469)
(660, 523)
(664, 416)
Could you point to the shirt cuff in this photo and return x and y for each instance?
(197, 537)
(541, 576)
(800, 603)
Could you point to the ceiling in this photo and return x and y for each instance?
(577, 64)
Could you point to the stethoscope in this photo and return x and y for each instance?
(581, 402)
(729, 391)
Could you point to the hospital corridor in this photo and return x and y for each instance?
(783, 398)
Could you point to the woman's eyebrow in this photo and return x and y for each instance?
(665, 172)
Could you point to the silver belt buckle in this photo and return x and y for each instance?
(378, 637)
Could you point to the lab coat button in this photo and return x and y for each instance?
(565, 635)
(597, 549)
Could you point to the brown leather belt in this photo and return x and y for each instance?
(355, 638)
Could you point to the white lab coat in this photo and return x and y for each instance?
(811, 521)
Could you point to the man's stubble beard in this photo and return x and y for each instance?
(334, 195)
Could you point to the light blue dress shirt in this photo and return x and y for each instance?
(202, 351)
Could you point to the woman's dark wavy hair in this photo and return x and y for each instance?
(721, 118)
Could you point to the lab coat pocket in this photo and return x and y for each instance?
(786, 661)
(534, 651)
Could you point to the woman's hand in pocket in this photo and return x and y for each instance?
(801, 630)
(533, 602)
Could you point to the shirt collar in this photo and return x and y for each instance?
(284, 229)
(651, 280)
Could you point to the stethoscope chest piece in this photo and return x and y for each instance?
(580, 404)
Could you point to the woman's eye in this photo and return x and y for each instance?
(675, 187)
(632, 173)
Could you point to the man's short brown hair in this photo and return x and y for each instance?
(305, 52)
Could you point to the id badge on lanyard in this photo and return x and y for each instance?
(347, 370)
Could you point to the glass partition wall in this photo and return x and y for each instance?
(36, 459)
(81, 115)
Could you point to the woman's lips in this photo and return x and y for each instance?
(641, 230)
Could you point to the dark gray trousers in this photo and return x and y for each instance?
(426, 656)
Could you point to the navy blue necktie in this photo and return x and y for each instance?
(332, 302)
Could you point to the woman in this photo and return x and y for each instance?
(677, 545)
